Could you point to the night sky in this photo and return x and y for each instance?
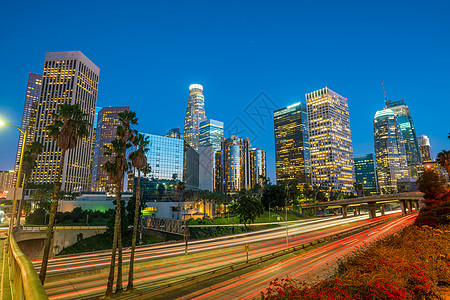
(247, 55)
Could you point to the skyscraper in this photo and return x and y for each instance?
(68, 77)
(409, 135)
(211, 134)
(29, 113)
(107, 122)
(292, 144)
(425, 148)
(233, 165)
(389, 150)
(365, 173)
(258, 166)
(195, 114)
(330, 140)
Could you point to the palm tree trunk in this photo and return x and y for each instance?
(53, 208)
(109, 286)
(135, 225)
(119, 286)
(19, 211)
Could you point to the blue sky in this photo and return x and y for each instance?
(149, 52)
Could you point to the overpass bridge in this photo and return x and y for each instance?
(408, 201)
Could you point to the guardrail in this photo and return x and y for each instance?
(25, 283)
(33, 228)
(190, 281)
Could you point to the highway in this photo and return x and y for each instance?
(161, 264)
(307, 267)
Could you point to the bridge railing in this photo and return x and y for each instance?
(25, 283)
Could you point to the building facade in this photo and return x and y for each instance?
(258, 166)
(425, 148)
(105, 132)
(190, 167)
(174, 133)
(195, 114)
(68, 77)
(206, 167)
(29, 113)
(365, 173)
(6, 180)
(330, 141)
(292, 156)
(406, 123)
(389, 151)
(211, 134)
(233, 165)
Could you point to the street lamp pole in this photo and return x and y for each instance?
(19, 173)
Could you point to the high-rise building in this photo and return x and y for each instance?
(365, 173)
(292, 155)
(425, 148)
(330, 141)
(206, 167)
(195, 114)
(409, 136)
(390, 151)
(258, 166)
(29, 113)
(190, 167)
(105, 132)
(211, 134)
(68, 77)
(6, 180)
(233, 165)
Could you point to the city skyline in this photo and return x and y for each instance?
(267, 58)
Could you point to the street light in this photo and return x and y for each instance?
(18, 175)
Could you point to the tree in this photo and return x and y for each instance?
(247, 208)
(273, 195)
(117, 167)
(68, 126)
(139, 161)
(443, 159)
(28, 164)
(431, 184)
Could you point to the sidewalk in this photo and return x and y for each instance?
(5, 292)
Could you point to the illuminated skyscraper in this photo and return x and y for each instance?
(365, 173)
(195, 114)
(29, 113)
(258, 166)
(409, 135)
(330, 140)
(233, 165)
(425, 148)
(389, 151)
(68, 77)
(211, 133)
(292, 144)
(107, 122)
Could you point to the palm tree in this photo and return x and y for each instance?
(443, 159)
(139, 161)
(28, 164)
(117, 168)
(69, 125)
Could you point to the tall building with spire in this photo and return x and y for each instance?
(409, 135)
(195, 114)
(330, 141)
(29, 113)
(68, 77)
(425, 148)
(390, 153)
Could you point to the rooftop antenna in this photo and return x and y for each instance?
(385, 99)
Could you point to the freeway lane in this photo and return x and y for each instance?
(305, 267)
(153, 270)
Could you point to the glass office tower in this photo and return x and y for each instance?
(389, 151)
(365, 173)
(68, 77)
(292, 155)
(330, 141)
(258, 166)
(409, 136)
(107, 122)
(425, 148)
(211, 134)
(195, 114)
